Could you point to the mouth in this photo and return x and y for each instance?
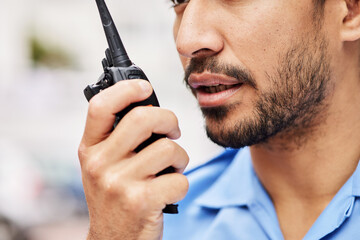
(213, 89)
(217, 88)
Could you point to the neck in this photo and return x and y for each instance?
(317, 168)
(302, 179)
(312, 172)
(320, 164)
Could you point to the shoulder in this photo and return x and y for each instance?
(224, 158)
(202, 177)
(206, 176)
(190, 218)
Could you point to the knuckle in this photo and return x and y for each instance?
(138, 116)
(126, 85)
(170, 116)
(96, 105)
(133, 199)
(173, 123)
(185, 158)
(93, 167)
(117, 184)
(173, 118)
(169, 147)
(183, 184)
(134, 88)
(111, 186)
(129, 88)
(82, 152)
(148, 192)
(92, 170)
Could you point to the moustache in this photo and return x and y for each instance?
(211, 64)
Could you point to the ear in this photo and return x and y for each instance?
(351, 22)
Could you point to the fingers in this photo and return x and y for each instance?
(160, 155)
(119, 183)
(148, 162)
(138, 125)
(104, 106)
(169, 188)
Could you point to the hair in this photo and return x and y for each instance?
(319, 3)
(318, 13)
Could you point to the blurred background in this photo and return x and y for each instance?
(49, 51)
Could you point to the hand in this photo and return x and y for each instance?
(124, 196)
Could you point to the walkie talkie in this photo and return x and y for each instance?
(118, 67)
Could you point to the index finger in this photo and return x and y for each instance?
(104, 106)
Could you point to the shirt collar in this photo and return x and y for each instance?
(356, 182)
(234, 187)
(237, 184)
(339, 209)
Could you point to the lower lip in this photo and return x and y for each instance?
(215, 99)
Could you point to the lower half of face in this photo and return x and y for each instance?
(291, 105)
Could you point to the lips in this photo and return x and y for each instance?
(216, 89)
(213, 89)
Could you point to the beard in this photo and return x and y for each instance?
(289, 109)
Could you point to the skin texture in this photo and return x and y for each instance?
(301, 166)
(289, 107)
(125, 198)
(272, 57)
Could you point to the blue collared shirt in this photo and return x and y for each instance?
(227, 201)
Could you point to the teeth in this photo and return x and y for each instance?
(222, 87)
(217, 88)
(212, 89)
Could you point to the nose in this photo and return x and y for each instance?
(196, 33)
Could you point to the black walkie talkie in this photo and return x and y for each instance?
(118, 67)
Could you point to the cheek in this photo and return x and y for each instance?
(176, 26)
(266, 35)
(184, 61)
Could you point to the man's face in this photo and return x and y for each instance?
(258, 68)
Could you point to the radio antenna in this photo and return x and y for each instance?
(117, 49)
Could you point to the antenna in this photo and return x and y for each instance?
(117, 49)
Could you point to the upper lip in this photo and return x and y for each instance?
(207, 79)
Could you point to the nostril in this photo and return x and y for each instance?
(204, 52)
